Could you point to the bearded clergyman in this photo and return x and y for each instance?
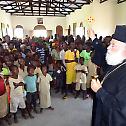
(111, 91)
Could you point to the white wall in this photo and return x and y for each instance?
(78, 16)
(106, 15)
(6, 19)
(120, 13)
(30, 22)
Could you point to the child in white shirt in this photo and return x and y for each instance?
(44, 89)
(16, 93)
(81, 71)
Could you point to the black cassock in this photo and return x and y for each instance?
(110, 102)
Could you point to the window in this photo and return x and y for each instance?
(19, 32)
(3, 29)
(40, 31)
(80, 31)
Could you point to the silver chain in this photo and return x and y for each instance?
(112, 72)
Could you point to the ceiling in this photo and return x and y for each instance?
(42, 7)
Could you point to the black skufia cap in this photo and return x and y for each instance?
(120, 33)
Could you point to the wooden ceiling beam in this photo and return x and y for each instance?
(39, 6)
(56, 15)
(59, 7)
(29, 11)
(30, 4)
(41, 12)
(66, 6)
(89, 1)
(38, 9)
(101, 1)
(27, 6)
(79, 7)
(120, 1)
(17, 5)
(23, 8)
(55, 9)
(59, 2)
(10, 4)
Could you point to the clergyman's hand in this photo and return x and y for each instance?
(91, 33)
(95, 85)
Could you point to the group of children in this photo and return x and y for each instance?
(25, 88)
(27, 81)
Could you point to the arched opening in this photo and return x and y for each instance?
(40, 31)
(19, 32)
(80, 30)
(3, 29)
(59, 30)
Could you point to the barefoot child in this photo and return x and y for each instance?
(44, 88)
(81, 79)
(16, 93)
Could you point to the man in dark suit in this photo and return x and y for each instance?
(110, 109)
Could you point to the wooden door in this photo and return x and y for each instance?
(49, 33)
(59, 30)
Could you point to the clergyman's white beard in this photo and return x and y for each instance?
(115, 58)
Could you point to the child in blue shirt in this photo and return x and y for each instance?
(31, 87)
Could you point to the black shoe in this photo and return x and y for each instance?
(8, 120)
(50, 108)
(15, 120)
(2, 123)
(85, 95)
(31, 116)
(41, 110)
(84, 98)
(35, 110)
(65, 96)
(25, 117)
(77, 94)
(23, 113)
